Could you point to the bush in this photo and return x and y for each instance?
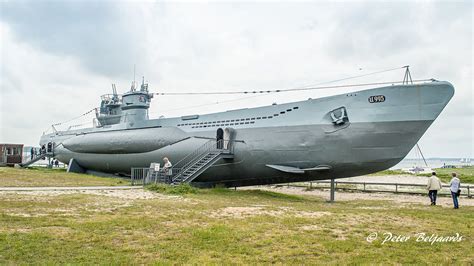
(180, 189)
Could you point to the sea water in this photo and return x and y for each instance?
(432, 163)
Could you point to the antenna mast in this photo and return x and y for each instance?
(134, 71)
(407, 78)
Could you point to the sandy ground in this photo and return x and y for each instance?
(130, 194)
(243, 212)
(137, 193)
(404, 179)
(348, 196)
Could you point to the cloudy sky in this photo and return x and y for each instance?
(58, 57)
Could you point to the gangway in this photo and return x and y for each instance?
(190, 167)
(202, 161)
(37, 158)
(46, 152)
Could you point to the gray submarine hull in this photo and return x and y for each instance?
(381, 126)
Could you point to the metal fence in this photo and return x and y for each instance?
(140, 176)
(466, 190)
(145, 176)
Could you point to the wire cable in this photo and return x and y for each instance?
(285, 90)
(77, 117)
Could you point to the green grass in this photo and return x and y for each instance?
(223, 226)
(43, 177)
(389, 172)
(466, 174)
(180, 189)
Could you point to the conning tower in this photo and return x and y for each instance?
(110, 110)
(135, 104)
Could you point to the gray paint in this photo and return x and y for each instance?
(374, 137)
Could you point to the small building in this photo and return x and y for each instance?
(10, 154)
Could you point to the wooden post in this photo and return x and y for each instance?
(333, 191)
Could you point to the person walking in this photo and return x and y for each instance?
(455, 187)
(434, 184)
(32, 153)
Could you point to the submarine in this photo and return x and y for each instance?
(331, 137)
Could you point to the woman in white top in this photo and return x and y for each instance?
(167, 168)
(455, 185)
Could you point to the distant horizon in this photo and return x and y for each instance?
(439, 158)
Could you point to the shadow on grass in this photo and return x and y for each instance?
(45, 169)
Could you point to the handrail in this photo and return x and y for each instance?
(380, 183)
(192, 153)
(199, 153)
(468, 187)
(185, 163)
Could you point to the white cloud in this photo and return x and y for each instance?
(229, 46)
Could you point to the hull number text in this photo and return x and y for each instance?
(377, 99)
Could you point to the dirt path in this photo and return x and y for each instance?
(128, 193)
(348, 196)
(69, 188)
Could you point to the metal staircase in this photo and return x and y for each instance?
(193, 165)
(37, 158)
(189, 168)
(48, 152)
